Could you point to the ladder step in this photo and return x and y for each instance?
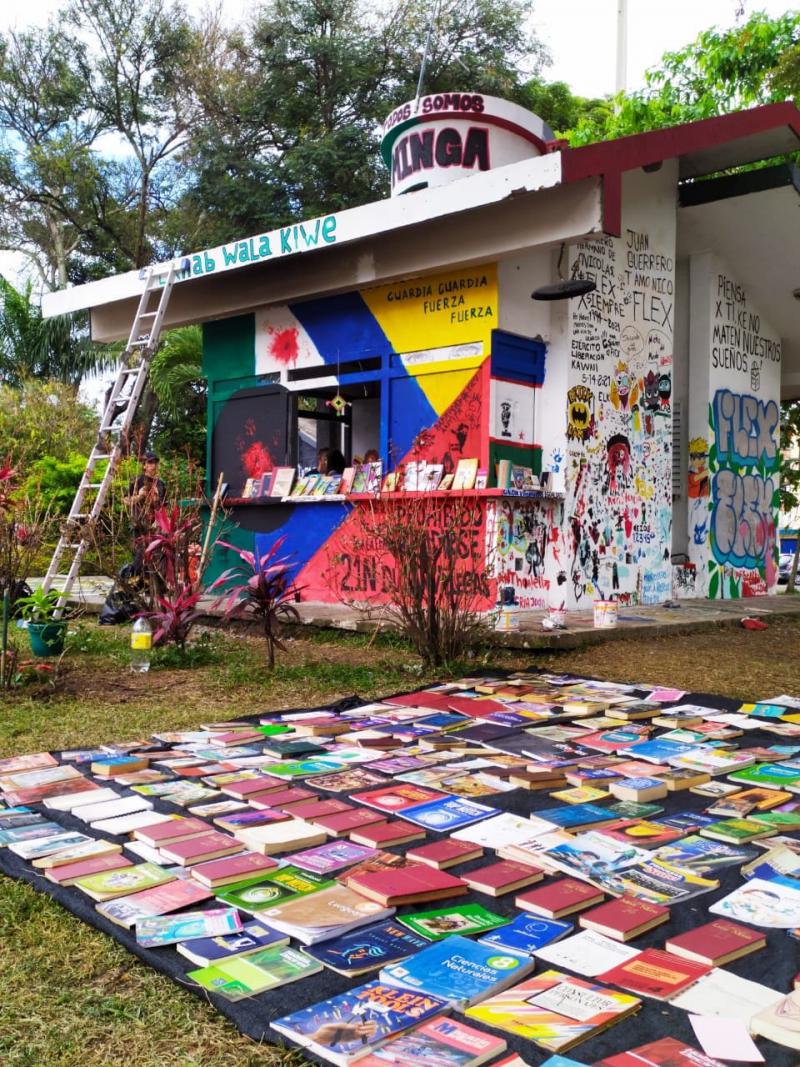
(131, 370)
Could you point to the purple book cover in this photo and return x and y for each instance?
(332, 856)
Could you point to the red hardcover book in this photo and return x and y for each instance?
(655, 973)
(717, 942)
(666, 1052)
(497, 879)
(232, 869)
(434, 701)
(562, 897)
(167, 833)
(407, 886)
(624, 918)
(446, 853)
(341, 824)
(207, 847)
(251, 787)
(69, 872)
(397, 797)
(394, 832)
(160, 900)
(306, 809)
(281, 799)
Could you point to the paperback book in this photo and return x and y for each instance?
(367, 949)
(464, 919)
(246, 976)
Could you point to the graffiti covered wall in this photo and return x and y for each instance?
(734, 447)
(618, 506)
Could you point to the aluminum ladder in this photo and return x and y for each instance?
(121, 404)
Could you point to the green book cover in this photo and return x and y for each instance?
(780, 820)
(734, 829)
(273, 888)
(125, 880)
(247, 975)
(629, 809)
(768, 774)
(273, 729)
(459, 919)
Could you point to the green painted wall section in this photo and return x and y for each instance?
(520, 457)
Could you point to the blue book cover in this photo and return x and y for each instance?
(367, 949)
(458, 970)
(447, 814)
(567, 815)
(354, 1021)
(252, 937)
(659, 751)
(701, 855)
(526, 933)
(686, 820)
(443, 720)
(559, 1061)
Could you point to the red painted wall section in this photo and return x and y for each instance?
(347, 567)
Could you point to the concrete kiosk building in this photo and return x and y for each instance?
(648, 407)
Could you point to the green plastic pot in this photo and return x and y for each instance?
(47, 638)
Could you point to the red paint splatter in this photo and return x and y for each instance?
(283, 345)
(256, 460)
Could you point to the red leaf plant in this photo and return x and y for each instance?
(260, 588)
(176, 594)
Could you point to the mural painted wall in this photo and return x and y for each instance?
(618, 414)
(734, 454)
(525, 549)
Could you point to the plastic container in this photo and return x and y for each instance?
(141, 646)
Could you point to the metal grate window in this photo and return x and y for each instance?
(677, 450)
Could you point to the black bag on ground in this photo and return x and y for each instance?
(121, 604)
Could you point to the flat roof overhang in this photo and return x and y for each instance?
(563, 195)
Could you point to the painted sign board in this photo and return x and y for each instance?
(447, 136)
(343, 227)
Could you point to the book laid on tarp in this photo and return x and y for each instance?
(725, 994)
(69, 873)
(780, 1022)
(459, 919)
(343, 1028)
(246, 976)
(156, 930)
(253, 937)
(411, 885)
(525, 933)
(448, 814)
(460, 971)
(271, 888)
(441, 1042)
(445, 853)
(659, 882)
(328, 913)
(772, 903)
(702, 855)
(368, 948)
(160, 900)
(717, 942)
(588, 953)
(46, 846)
(656, 973)
(624, 918)
(555, 1010)
(109, 884)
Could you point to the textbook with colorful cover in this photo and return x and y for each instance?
(458, 970)
(325, 914)
(246, 976)
(555, 1010)
(253, 937)
(342, 1028)
(441, 1042)
(156, 930)
(265, 890)
(368, 948)
(459, 919)
(447, 814)
(525, 933)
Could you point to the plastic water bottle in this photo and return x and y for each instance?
(141, 644)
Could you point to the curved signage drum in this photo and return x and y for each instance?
(448, 136)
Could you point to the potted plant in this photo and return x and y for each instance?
(45, 632)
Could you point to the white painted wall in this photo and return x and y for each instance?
(735, 378)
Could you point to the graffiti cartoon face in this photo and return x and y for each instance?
(624, 389)
(664, 391)
(580, 413)
(650, 386)
(619, 462)
(698, 482)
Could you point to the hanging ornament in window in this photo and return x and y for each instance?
(339, 404)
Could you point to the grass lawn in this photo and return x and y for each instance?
(71, 996)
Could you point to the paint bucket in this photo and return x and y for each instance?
(605, 614)
(507, 620)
